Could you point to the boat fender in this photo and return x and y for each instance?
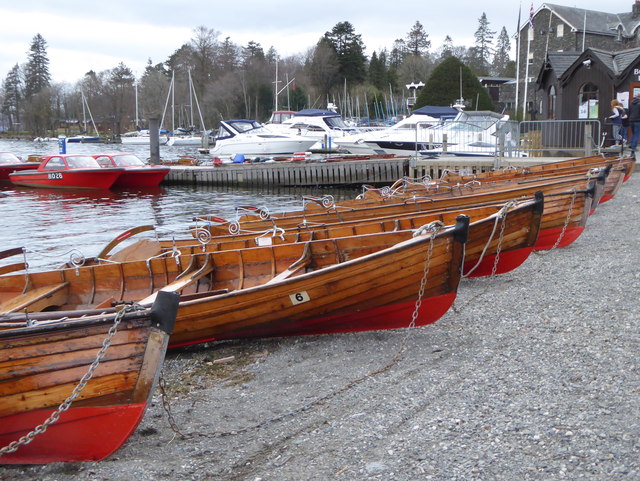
(461, 229)
(538, 208)
(217, 161)
(164, 310)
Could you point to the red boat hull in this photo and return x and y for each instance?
(394, 316)
(148, 177)
(81, 434)
(67, 179)
(508, 261)
(547, 238)
(6, 169)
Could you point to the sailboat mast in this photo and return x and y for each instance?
(191, 99)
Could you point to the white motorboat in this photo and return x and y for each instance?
(403, 138)
(324, 125)
(249, 137)
(472, 133)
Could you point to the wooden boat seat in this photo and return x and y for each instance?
(139, 251)
(184, 280)
(35, 300)
(294, 268)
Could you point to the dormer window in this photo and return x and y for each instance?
(619, 33)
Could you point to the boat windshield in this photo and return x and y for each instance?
(9, 158)
(337, 123)
(82, 162)
(128, 160)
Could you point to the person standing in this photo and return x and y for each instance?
(616, 117)
(634, 121)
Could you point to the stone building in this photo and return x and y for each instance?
(555, 38)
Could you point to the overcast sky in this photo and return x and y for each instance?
(83, 36)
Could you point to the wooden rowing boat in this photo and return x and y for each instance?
(342, 284)
(518, 224)
(562, 223)
(86, 406)
(561, 167)
(621, 169)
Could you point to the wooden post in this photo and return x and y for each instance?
(154, 141)
(588, 140)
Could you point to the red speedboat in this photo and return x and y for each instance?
(136, 172)
(68, 171)
(12, 163)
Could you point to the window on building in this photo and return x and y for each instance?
(588, 102)
(619, 34)
(560, 30)
(551, 101)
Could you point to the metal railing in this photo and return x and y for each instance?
(558, 138)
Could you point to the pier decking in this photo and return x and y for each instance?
(336, 173)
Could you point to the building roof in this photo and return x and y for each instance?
(593, 21)
(615, 63)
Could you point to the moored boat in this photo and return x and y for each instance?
(342, 284)
(68, 171)
(75, 389)
(136, 173)
(10, 162)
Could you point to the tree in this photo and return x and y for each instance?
(36, 88)
(120, 92)
(36, 71)
(500, 64)
(417, 42)
(484, 40)
(349, 51)
(443, 86)
(324, 67)
(398, 53)
(377, 72)
(12, 103)
(204, 48)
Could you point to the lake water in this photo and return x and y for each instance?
(51, 222)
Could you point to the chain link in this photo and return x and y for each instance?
(564, 227)
(66, 404)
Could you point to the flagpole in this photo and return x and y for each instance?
(526, 73)
(526, 76)
(518, 61)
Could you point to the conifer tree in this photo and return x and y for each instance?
(443, 87)
(483, 50)
(500, 63)
(349, 50)
(12, 88)
(417, 42)
(36, 71)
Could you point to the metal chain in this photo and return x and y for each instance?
(434, 227)
(167, 408)
(66, 404)
(564, 227)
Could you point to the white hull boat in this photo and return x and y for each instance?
(249, 137)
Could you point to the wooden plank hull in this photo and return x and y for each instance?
(42, 365)
(375, 291)
(288, 289)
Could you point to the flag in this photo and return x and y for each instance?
(531, 16)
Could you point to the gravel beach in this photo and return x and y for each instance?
(535, 375)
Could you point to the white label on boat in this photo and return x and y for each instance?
(264, 241)
(54, 175)
(299, 297)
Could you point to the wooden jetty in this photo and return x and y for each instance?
(381, 171)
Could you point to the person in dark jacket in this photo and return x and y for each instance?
(634, 121)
